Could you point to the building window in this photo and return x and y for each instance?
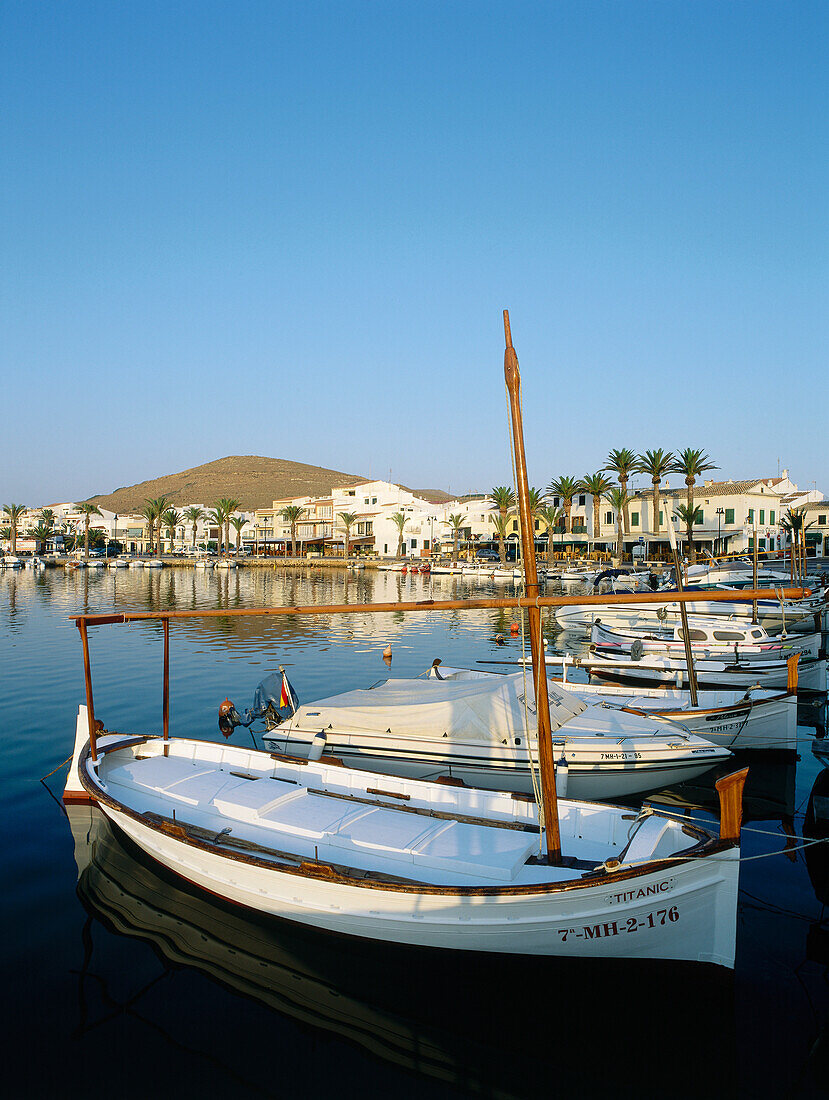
(581, 501)
(729, 515)
(515, 525)
(751, 515)
(634, 519)
(661, 517)
(608, 517)
(414, 544)
(425, 544)
(762, 515)
(771, 516)
(699, 518)
(821, 520)
(555, 502)
(374, 500)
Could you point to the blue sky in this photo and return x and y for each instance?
(289, 229)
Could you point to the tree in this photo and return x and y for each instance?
(229, 506)
(13, 512)
(623, 463)
(193, 514)
(47, 517)
(691, 463)
(153, 512)
(688, 517)
(500, 523)
(217, 517)
(87, 510)
(291, 514)
(399, 519)
(617, 498)
(42, 533)
(597, 485)
(503, 497)
(172, 518)
(566, 488)
(348, 521)
(552, 518)
(237, 523)
(456, 522)
(656, 464)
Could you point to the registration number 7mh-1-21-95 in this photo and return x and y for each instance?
(621, 927)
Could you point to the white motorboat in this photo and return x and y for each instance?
(404, 861)
(11, 561)
(736, 571)
(226, 563)
(118, 563)
(203, 563)
(136, 563)
(711, 671)
(720, 638)
(758, 718)
(773, 614)
(153, 563)
(477, 730)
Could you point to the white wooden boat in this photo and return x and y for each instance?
(745, 642)
(712, 672)
(153, 563)
(11, 561)
(136, 563)
(477, 730)
(226, 563)
(409, 862)
(118, 563)
(759, 718)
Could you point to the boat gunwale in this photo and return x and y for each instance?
(326, 872)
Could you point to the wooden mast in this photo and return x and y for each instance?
(549, 800)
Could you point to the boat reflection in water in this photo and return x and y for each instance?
(498, 1026)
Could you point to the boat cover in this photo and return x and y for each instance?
(436, 708)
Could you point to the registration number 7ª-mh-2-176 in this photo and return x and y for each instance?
(621, 927)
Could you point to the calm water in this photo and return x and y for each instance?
(124, 982)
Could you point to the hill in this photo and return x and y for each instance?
(253, 480)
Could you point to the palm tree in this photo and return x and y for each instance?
(348, 521)
(691, 463)
(292, 513)
(795, 525)
(456, 522)
(617, 498)
(171, 519)
(399, 519)
(503, 497)
(87, 509)
(149, 516)
(688, 517)
(159, 506)
(193, 514)
(656, 464)
(217, 517)
(552, 518)
(13, 513)
(623, 463)
(238, 522)
(47, 517)
(597, 485)
(42, 533)
(229, 506)
(566, 488)
(500, 523)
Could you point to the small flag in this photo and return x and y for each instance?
(287, 697)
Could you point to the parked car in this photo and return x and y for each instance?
(487, 555)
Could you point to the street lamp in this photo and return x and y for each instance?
(720, 514)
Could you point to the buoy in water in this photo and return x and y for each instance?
(513, 628)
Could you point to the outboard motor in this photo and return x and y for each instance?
(229, 718)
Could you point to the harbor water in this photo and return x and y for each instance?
(123, 981)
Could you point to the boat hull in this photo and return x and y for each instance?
(686, 913)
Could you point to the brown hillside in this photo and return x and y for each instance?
(253, 480)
